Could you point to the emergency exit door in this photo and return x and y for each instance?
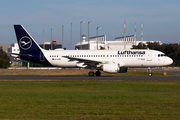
(149, 55)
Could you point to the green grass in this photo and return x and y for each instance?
(127, 100)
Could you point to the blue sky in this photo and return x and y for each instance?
(161, 19)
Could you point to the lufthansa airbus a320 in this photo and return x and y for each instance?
(110, 61)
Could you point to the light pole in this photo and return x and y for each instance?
(88, 30)
(97, 36)
(71, 36)
(43, 39)
(63, 36)
(81, 33)
(51, 38)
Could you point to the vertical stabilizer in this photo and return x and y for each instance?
(29, 49)
(25, 41)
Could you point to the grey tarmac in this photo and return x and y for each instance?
(5, 77)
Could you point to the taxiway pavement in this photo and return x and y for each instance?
(5, 77)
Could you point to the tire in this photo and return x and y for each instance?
(150, 74)
(91, 73)
(98, 73)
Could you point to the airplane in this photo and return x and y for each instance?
(110, 61)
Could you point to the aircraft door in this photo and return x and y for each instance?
(42, 57)
(149, 55)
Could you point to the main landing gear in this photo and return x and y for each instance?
(91, 73)
(97, 73)
(150, 73)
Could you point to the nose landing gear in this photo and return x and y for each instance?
(150, 73)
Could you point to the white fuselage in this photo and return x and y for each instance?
(125, 58)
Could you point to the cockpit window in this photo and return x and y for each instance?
(161, 55)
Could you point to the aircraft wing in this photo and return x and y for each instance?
(85, 61)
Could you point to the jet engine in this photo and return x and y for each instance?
(114, 68)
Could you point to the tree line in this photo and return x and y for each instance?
(4, 59)
(171, 50)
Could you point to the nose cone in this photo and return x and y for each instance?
(169, 61)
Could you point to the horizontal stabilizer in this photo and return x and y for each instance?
(21, 55)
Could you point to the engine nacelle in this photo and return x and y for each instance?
(114, 68)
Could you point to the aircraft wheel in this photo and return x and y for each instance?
(98, 73)
(150, 74)
(91, 73)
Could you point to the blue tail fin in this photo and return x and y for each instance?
(29, 49)
(25, 41)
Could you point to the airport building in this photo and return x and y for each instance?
(99, 42)
(48, 45)
(15, 60)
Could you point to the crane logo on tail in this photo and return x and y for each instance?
(25, 43)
